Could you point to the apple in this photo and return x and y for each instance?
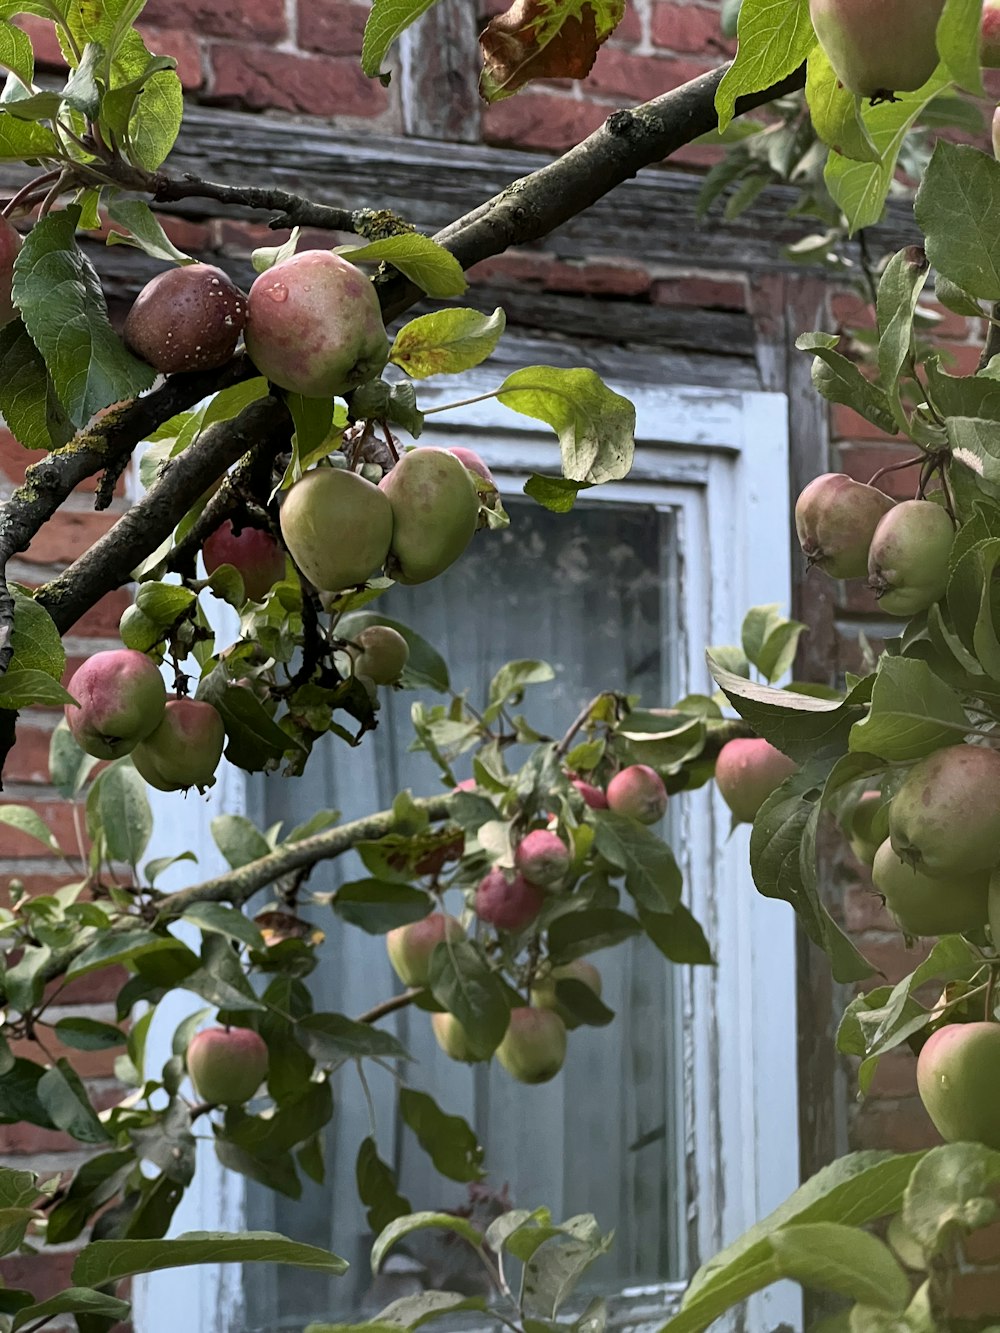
(926, 906)
(253, 553)
(185, 749)
(958, 1078)
(543, 992)
(639, 793)
(534, 1046)
(337, 527)
(314, 325)
(453, 1038)
(508, 904)
(120, 698)
(542, 857)
(879, 47)
(945, 818)
(380, 653)
(227, 1065)
(410, 947)
(592, 796)
(435, 513)
(747, 771)
(835, 519)
(189, 318)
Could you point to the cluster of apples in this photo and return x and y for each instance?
(509, 901)
(880, 49)
(850, 530)
(121, 708)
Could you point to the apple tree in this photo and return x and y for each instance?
(281, 429)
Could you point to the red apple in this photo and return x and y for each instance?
(120, 698)
(410, 947)
(227, 1065)
(747, 771)
(508, 904)
(185, 749)
(542, 857)
(253, 553)
(958, 1078)
(592, 796)
(638, 791)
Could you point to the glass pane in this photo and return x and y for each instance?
(589, 592)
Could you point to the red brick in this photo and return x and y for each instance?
(57, 815)
(334, 27)
(193, 237)
(683, 27)
(892, 958)
(42, 1274)
(516, 266)
(849, 311)
(975, 1295)
(262, 79)
(28, 761)
(95, 988)
(896, 1075)
(629, 31)
(858, 599)
(101, 621)
(598, 279)
(961, 360)
(183, 45)
(902, 1125)
(24, 1140)
(43, 40)
(863, 461)
(541, 120)
(70, 534)
(241, 237)
(640, 78)
(241, 20)
(705, 293)
(983, 1246)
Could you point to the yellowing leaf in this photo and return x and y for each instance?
(544, 39)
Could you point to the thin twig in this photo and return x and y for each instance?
(390, 1006)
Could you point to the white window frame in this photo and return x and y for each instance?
(719, 460)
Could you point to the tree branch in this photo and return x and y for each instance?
(109, 562)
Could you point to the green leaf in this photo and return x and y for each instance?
(852, 1191)
(595, 425)
(913, 712)
(378, 906)
(144, 230)
(951, 1189)
(775, 36)
(388, 18)
(59, 295)
(770, 641)
(557, 494)
(448, 1140)
(275, 1173)
(652, 875)
(433, 268)
(73, 1300)
(37, 643)
(27, 821)
(579, 933)
(412, 1311)
(461, 980)
(19, 1096)
(66, 1102)
(88, 1034)
(30, 689)
(555, 1267)
(677, 935)
(833, 110)
(16, 53)
(377, 1188)
(446, 342)
(81, 90)
(405, 1226)
(331, 1038)
(510, 680)
(958, 43)
(120, 947)
(239, 840)
(227, 921)
(109, 1260)
(69, 766)
(826, 1256)
(860, 188)
(125, 813)
(959, 191)
(23, 140)
(157, 115)
(28, 401)
(899, 289)
(841, 381)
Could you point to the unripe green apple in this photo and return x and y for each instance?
(542, 857)
(835, 519)
(945, 818)
(381, 653)
(508, 904)
(989, 45)
(926, 906)
(338, 528)
(534, 1046)
(543, 992)
(958, 1078)
(435, 511)
(185, 749)
(879, 47)
(868, 826)
(10, 246)
(189, 318)
(253, 553)
(453, 1038)
(227, 1065)
(747, 771)
(410, 947)
(120, 698)
(314, 325)
(638, 791)
(908, 559)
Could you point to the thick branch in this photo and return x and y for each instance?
(109, 562)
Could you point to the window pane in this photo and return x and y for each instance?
(589, 592)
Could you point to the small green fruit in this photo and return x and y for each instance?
(227, 1065)
(337, 527)
(908, 559)
(945, 818)
(534, 1046)
(958, 1078)
(926, 906)
(410, 947)
(453, 1039)
(435, 510)
(879, 47)
(380, 653)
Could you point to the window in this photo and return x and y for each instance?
(675, 1125)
